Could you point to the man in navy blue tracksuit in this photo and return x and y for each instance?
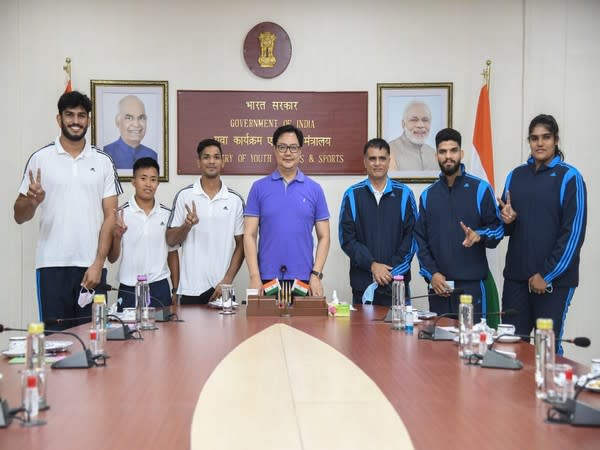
(544, 211)
(458, 220)
(376, 224)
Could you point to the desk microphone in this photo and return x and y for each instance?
(121, 333)
(496, 360)
(574, 412)
(81, 360)
(579, 341)
(434, 333)
(163, 314)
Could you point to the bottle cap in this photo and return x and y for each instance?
(99, 298)
(31, 381)
(569, 374)
(544, 324)
(35, 328)
(142, 278)
(398, 277)
(466, 299)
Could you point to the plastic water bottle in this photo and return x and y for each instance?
(482, 325)
(31, 396)
(398, 303)
(482, 328)
(544, 357)
(142, 294)
(34, 369)
(483, 345)
(98, 324)
(465, 326)
(409, 320)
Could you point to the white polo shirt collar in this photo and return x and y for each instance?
(135, 207)
(223, 192)
(87, 149)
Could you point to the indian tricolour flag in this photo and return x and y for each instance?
(300, 288)
(482, 166)
(271, 287)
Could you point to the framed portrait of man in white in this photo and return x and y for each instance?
(408, 116)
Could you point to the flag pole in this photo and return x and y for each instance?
(484, 140)
(67, 69)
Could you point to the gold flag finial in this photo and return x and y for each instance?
(487, 71)
(67, 67)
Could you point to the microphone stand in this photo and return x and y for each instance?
(434, 333)
(81, 360)
(574, 412)
(496, 360)
(5, 414)
(112, 334)
(121, 333)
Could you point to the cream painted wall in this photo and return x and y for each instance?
(544, 55)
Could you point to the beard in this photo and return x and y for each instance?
(73, 137)
(416, 139)
(451, 170)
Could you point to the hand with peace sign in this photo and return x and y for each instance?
(508, 214)
(191, 217)
(471, 236)
(120, 227)
(36, 193)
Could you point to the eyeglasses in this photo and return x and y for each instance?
(282, 148)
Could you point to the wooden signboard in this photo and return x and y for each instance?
(334, 126)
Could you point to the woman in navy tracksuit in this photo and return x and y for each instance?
(544, 211)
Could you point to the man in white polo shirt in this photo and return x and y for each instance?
(140, 235)
(207, 219)
(75, 186)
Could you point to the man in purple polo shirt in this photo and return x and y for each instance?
(287, 205)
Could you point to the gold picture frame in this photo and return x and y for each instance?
(394, 103)
(127, 134)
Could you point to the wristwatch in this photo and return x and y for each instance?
(174, 290)
(319, 275)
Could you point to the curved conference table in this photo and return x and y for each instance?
(147, 395)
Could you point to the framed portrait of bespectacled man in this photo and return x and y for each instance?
(130, 121)
(409, 115)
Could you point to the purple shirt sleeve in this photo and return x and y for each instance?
(253, 204)
(322, 212)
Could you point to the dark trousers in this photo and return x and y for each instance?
(58, 290)
(446, 305)
(160, 295)
(201, 299)
(530, 307)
